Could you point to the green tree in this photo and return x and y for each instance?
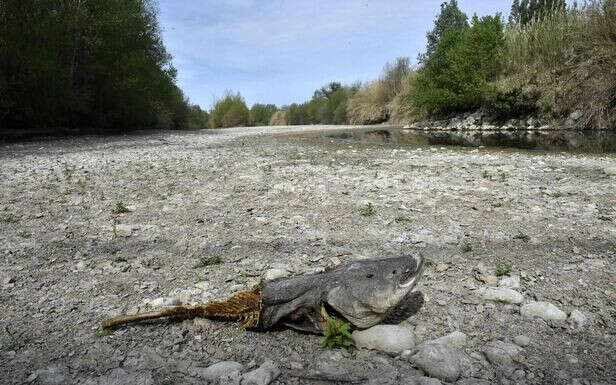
(528, 10)
(449, 18)
(229, 111)
(261, 114)
(457, 76)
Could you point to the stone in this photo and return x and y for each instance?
(52, 375)
(443, 362)
(502, 353)
(123, 231)
(273, 274)
(577, 318)
(543, 310)
(164, 301)
(441, 267)
(474, 381)
(456, 339)
(512, 282)
(500, 294)
(611, 171)
(422, 381)
(521, 340)
(119, 376)
(386, 338)
(217, 370)
(263, 375)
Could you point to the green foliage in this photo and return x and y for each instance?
(197, 118)
(457, 76)
(367, 210)
(450, 18)
(523, 237)
(8, 218)
(338, 336)
(103, 333)
(467, 248)
(85, 65)
(504, 269)
(527, 11)
(120, 208)
(509, 103)
(261, 114)
(204, 261)
(230, 111)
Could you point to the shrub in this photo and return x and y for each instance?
(400, 109)
(457, 76)
(230, 111)
(368, 105)
(566, 61)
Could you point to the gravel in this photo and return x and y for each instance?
(247, 200)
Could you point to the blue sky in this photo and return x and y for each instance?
(279, 52)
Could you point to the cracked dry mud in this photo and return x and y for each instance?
(277, 198)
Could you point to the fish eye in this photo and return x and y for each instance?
(369, 275)
(394, 272)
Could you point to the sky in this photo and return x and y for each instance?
(274, 51)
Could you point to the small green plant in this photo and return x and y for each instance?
(24, 234)
(522, 236)
(338, 336)
(199, 278)
(120, 208)
(204, 261)
(8, 218)
(485, 174)
(167, 381)
(504, 269)
(103, 333)
(367, 210)
(503, 177)
(467, 248)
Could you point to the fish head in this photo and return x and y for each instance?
(365, 292)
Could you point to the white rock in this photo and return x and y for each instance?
(512, 282)
(456, 339)
(502, 353)
(500, 294)
(263, 375)
(443, 362)
(441, 267)
(543, 310)
(123, 231)
(164, 301)
(219, 369)
(272, 274)
(611, 171)
(53, 375)
(577, 318)
(521, 340)
(387, 338)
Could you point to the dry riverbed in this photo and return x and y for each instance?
(210, 213)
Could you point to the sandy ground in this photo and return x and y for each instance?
(279, 198)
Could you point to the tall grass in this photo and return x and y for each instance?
(566, 63)
(369, 104)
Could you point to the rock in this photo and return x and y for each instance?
(521, 341)
(164, 301)
(387, 338)
(474, 381)
(611, 171)
(543, 310)
(502, 353)
(443, 362)
(441, 267)
(217, 370)
(52, 375)
(456, 339)
(422, 381)
(231, 378)
(577, 318)
(263, 375)
(500, 294)
(123, 231)
(272, 274)
(119, 376)
(512, 282)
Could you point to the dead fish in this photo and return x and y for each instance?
(361, 292)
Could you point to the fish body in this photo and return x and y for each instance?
(361, 292)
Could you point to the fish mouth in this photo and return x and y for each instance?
(419, 263)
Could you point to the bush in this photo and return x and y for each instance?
(260, 114)
(230, 111)
(368, 105)
(400, 109)
(457, 76)
(566, 61)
